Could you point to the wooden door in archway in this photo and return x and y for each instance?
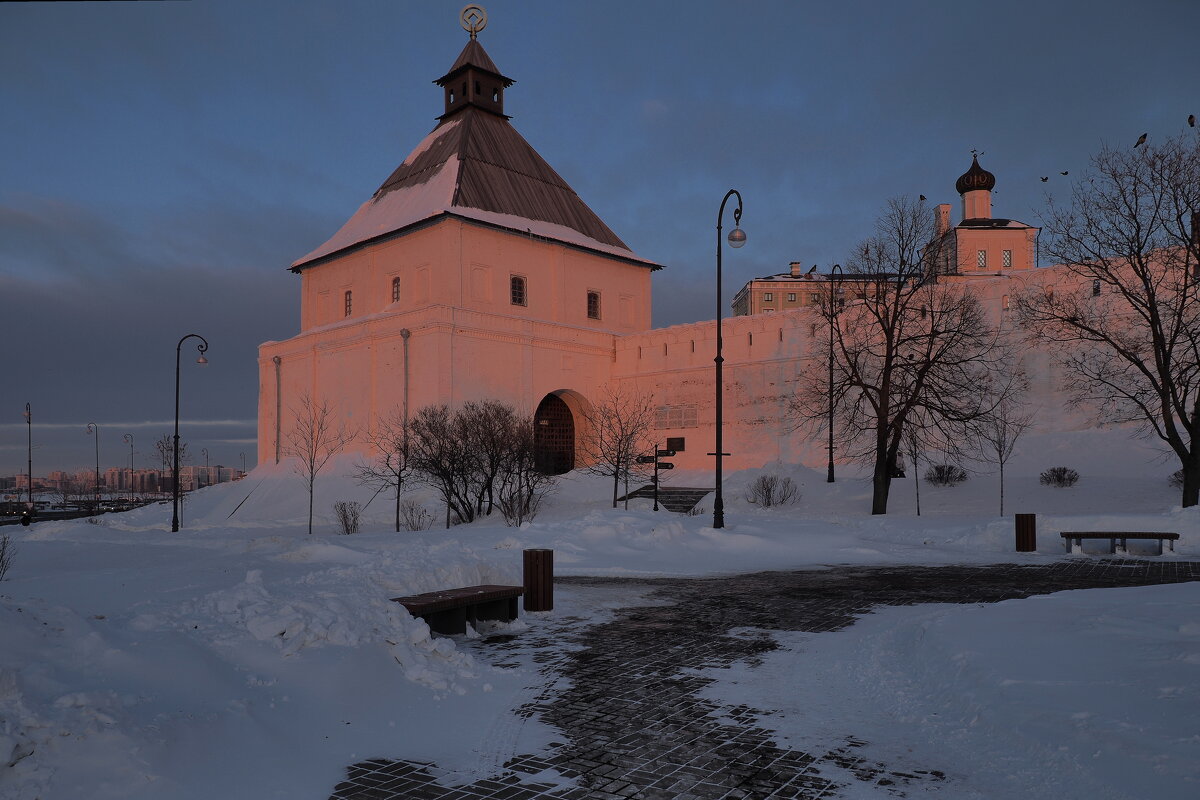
(554, 436)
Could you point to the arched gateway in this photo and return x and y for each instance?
(554, 435)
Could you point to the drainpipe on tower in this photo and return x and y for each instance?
(404, 334)
(278, 403)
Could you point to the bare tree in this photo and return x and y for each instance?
(522, 485)
(390, 467)
(317, 435)
(1127, 334)
(998, 433)
(619, 428)
(440, 451)
(908, 352)
(162, 446)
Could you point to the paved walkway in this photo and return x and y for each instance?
(625, 696)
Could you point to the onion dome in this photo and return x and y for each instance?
(975, 178)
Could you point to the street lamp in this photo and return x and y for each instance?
(207, 475)
(202, 347)
(93, 428)
(737, 238)
(129, 438)
(835, 303)
(29, 425)
(243, 463)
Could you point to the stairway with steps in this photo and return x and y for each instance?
(680, 499)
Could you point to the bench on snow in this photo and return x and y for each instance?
(449, 611)
(1074, 539)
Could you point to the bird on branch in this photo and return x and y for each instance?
(1141, 140)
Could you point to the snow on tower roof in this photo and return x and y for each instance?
(475, 165)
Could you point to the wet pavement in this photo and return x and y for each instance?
(625, 695)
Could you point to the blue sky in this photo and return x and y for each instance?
(164, 162)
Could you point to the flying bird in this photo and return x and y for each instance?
(1191, 120)
(1045, 178)
(1141, 140)
(1064, 172)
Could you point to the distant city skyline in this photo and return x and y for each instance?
(166, 162)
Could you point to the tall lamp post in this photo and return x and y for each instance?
(737, 238)
(129, 438)
(835, 303)
(93, 428)
(202, 347)
(29, 426)
(207, 474)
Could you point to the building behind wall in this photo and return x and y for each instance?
(474, 272)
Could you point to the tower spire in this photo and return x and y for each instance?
(473, 19)
(473, 81)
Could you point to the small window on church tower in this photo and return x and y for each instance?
(1096, 288)
(981, 258)
(495, 95)
(519, 297)
(349, 302)
(593, 305)
(395, 290)
(477, 91)
(1006, 258)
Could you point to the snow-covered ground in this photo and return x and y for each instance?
(242, 657)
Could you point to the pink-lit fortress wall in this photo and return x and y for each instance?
(475, 272)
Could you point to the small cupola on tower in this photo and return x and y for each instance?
(975, 185)
(474, 80)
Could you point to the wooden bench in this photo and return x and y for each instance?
(1074, 539)
(449, 611)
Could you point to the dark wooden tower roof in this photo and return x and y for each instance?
(476, 166)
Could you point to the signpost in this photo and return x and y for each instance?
(658, 465)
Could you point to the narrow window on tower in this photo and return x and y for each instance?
(395, 290)
(1006, 258)
(593, 305)
(1096, 288)
(519, 296)
(981, 258)
(349, 302)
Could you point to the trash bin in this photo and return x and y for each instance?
(539, 580)
(1026, 533)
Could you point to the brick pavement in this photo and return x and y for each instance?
(625, 695)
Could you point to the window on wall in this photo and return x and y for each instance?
(675, 443)
(791, 297)
(518, 288)
(1004, 303)
(1006, 258)
(349, 302)
(981, 258)
(1096, 288)
(395, 290)
(593, 305)
(768, 296)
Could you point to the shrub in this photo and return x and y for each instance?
(945, 475)
(518, 505)
(414, 517)
(1059, 477)
(772, 490)
(349, 516)
(7, 550)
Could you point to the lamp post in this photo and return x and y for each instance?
(835, 301)
(737, 238)
(93, 428)
(129, 438)
(202, 347)
(29, 426)
(207, 474)
(243, 463)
